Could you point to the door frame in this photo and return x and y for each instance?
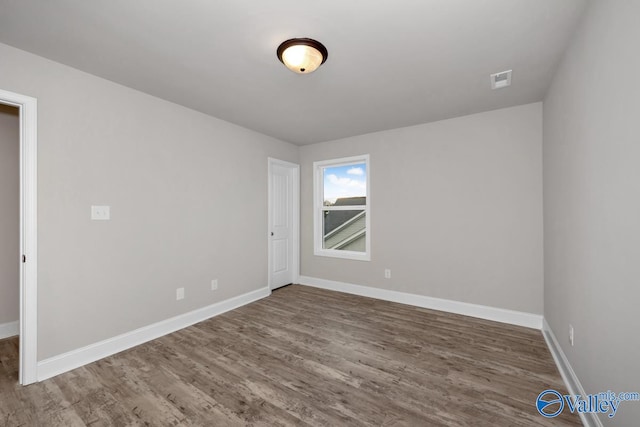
(28, 259)
(295, 215)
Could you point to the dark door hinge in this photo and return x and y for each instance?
(24, 258)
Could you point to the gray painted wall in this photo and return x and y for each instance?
(592, 202)
(188, 196)
(9, 214)
(456, 209)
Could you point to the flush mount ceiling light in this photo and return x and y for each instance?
(302, 56)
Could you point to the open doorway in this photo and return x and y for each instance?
(9, 228)
(24, 257)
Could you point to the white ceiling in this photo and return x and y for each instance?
(391, 63)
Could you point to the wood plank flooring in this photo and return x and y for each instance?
(303, 356)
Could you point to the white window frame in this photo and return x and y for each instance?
(319, 208)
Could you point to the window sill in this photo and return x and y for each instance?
(351, 255)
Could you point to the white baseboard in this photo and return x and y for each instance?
(10, 329)
(76, 358)
(518, 318)
(568, 375)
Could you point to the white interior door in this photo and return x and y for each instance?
(283, 223)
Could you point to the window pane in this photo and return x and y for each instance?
(345, 185)
(344, 230)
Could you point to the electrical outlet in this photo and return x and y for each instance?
(387, 273)
(571, 334)
(214, 285)
(179, 294)
(101, 213)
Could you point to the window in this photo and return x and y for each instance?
(341, 208)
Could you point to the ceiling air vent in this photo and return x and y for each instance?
(501, 79)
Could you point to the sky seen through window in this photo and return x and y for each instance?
(345, 181)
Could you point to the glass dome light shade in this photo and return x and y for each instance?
(302, 56)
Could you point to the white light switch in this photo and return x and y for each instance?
(101, 213)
